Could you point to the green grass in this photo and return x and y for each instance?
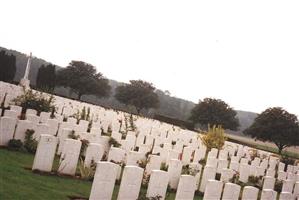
(17, 182)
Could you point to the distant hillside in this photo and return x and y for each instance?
(171, 107)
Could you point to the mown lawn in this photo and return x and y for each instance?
(17, 182)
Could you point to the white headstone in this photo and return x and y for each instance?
(250, 193)
(7, 129)
(269, 183)
(117, 155)
(174, 172)
(41, 129)
(286, 196)
(154, 163)
(62, 137)
(244, 173)
(31, 112)
(213, 190)
(157, 185)
(18, 109)
(209, 173)
(268, 194)
(22, 127)
(11, 113)
(288, 186)
(187, 153)
(94, 154)
(234, 166)
(53, 124)
(44, 116)
(104, 180)
(222, 164)
(231, 191)
(296, 189)
(281, 175)
(130, 183)
(199, 154)
(45, 153)
(69, 157)
(226, 175)
(33, 118)
(186, 188)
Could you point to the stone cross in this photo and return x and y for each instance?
(25, 82)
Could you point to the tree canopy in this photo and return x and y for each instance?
(83, 79)
(139, 94)
(275, 125)
(214, 112)
(7, 67)
(46, 77)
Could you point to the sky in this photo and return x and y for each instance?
(243, 52)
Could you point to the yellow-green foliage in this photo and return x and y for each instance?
(214, 137)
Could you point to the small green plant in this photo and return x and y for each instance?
(143, 197)
(113, 142)
(214, 137)
(86, 173)
(3, 105)
(83, 148)
(109, 130)
(72, 135)
(218, 176)
(36, 101)
(163, 167)
(255, 181)
(82, 115)
(14, 144)
(235, 178)
(202, 161)
(278, 186)
(30, 144)
(142, 163)
(136, 148)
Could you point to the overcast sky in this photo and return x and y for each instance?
(243, 52)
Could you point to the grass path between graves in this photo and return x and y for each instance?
(16, 182)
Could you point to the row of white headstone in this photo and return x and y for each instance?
(69, 158)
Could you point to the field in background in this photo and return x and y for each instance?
(266, 146)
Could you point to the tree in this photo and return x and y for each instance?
(46, 77)
(7, 67)
(139, 94)
(214, 112)
(83, 79)
(275, 125)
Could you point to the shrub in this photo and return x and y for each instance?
(14, 144)
(113, 142)
(36, 101)
(214, 138)
(30, 144)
